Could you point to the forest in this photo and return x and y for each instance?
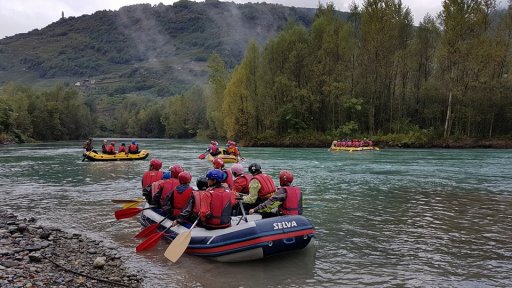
(373, 74)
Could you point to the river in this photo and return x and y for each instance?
(395, 217)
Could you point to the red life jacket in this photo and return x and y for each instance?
(151, 176)
(155, 187)
(133, 148)
(201, 204)
(229, 179)
(122, 149)
(293, 203)
(111, 149)
(232, 150)
(241, 184)
(267, 186)
(220, 208)
(214, 150)
(167, 186)
(180, 200)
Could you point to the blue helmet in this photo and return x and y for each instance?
(133, 141)
(215, 174)
(166, 175)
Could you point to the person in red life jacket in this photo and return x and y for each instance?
(232, 149)
(133, 148)
(218, 163)
(104, 147)
(179, 196)
(241, 181)
(213, 207)
(165, 188)
(213, 148)
(111, 149)
(152, 175)
(122, 148)
(261, 187)
(191, 212)
(286, 201)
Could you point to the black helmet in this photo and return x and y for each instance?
(202, 183)
(254, 168)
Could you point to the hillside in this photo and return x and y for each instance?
(156, 50)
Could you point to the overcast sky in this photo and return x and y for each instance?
(19, 16)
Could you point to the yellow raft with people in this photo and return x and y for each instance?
(94, 156)
(224, 156)
(352, 149)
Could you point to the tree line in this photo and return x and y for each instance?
(373, 74)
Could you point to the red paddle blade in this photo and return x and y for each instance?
(127, 213)
(150, 242)
(202, 156)
(147, 231)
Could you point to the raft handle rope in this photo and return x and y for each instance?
(82, 274)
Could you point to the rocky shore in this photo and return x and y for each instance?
(35, 256)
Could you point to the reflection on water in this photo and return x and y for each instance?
(387, 218)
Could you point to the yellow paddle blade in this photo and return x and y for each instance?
(178, 246)
(131, 205)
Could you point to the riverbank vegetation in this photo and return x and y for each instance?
(443, 83)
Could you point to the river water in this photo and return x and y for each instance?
(393, 217)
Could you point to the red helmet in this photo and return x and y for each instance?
(155, 164)
(233, 143)
(184, 177)
(285, 177)
(176, 170)
(218, 163)
(213, 142)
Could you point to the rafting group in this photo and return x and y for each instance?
(109, 153)
(230, 154)
(353, 145)
(230, 216)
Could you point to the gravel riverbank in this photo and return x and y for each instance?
(35, 256)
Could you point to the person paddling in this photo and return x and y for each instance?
(179, 196)
(152, 175)
(212, 207)
(133, 148)
(286, 201)
(88, 145)
(261, 187)
(122, 148)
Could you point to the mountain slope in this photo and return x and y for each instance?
(159, 49)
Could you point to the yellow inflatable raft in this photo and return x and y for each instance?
(93, 156)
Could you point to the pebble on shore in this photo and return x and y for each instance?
(36, 256)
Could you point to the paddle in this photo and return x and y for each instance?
(124, 201)
(202, 156)
(128, 212)
(151, 241)
(179, 244)
(149, 230)
(243, 212)
(131, 205)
